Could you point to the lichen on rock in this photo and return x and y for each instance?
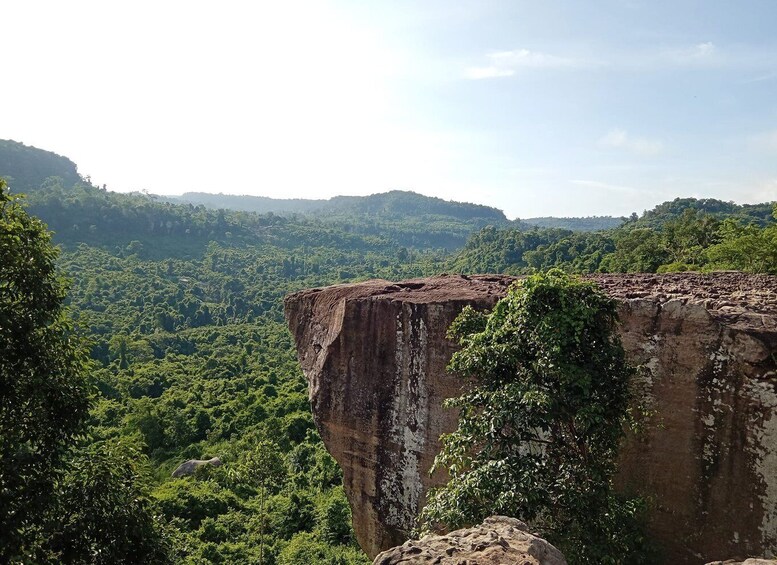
(498, 540)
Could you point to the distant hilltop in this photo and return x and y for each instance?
(26, 167)
(392, 203)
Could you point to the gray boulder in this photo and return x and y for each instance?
(190, 466)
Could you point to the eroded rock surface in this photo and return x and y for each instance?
(375, 354)
(751, 561)
(497, 541)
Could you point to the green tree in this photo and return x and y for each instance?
(44, 397)
(335, 520)
(688, 235)
(640, 250)
(539, 429)
(104, 515)
(264, 468)
(745, 248)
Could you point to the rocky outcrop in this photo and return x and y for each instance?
(751, 561)
(375, 354)
(190, 466)
(496, 541)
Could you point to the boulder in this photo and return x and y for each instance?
(498, 540)
(190, 466)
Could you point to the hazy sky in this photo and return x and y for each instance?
(537, 107)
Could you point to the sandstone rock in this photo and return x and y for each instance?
(751, 561)
(374, 354)
(497, 541)
(190, 466)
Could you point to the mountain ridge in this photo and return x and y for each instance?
(391, 202)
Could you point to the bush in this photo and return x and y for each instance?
(539, 429)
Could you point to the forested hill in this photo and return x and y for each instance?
(246, 203)
(26, 168)
(589, 223)
(684, 234)
(410, 219)
(760, 214)
(395, 203)
(78, 211)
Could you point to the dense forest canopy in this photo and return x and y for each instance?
(408, 218)
(691, 239)
(182, 307)
(760, 214)
(392, 203)
(591, 223)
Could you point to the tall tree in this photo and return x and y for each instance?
(103, 514)
(44, 397)
(264, 468)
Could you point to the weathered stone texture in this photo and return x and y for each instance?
(498, 540)
(375, 354)
(751, 561)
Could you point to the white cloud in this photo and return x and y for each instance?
(762, 77)
(703, 50)
(507, 63)
(620, 139)
(531, 59)
(764, 142)
(604, 185)
(477, 73)
(702, 54)
(706, 55)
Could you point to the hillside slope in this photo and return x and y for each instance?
(392, 203)
(26, 167)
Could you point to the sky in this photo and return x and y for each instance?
(552, 107)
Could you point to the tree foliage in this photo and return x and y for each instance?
(103, 514)
(44, 397)
(539, 428)
(683, 235)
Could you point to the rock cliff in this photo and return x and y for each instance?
(375, 354)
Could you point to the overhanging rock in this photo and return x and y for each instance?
(374, 354)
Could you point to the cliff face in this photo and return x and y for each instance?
(375, 354)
